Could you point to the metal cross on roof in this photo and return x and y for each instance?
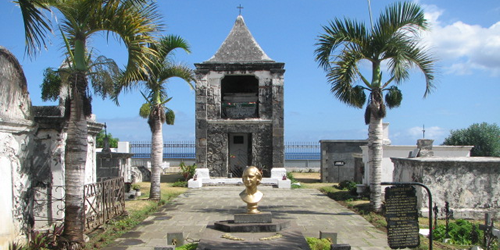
(240, 7)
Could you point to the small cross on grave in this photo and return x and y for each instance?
(490, 232)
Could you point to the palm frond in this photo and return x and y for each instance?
(180, 71)
(339, 33)
(36, 25)
(167, 44)
(104, 75)
(136, 26)
(405, 17)
(341, 76)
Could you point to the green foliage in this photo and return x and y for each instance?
(180, 184)
(135, 186)
(42, 240)
(318, 244)
(460, 232)
(338, 194)
(113, 142)
(189, 246)
(485, 138)
(120, 225)
(348, 186)
(51, 85)
(170, 117)
(289, 175)
(393, 97)
(15, 246)
(145, 110)
(187, 170)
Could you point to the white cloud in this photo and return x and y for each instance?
(411, 135)
(463, 47)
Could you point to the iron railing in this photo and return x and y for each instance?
(186, 150)
(103, 201)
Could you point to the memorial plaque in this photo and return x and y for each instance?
(402, 216)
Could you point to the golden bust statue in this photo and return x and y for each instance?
(251, 178)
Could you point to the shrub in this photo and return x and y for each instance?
(289, 175)
(460, 232)
(187, 170)
(43, 240)
(180, 183)
(135, 186)
(348, 186)
(485, 138)
(318, 244)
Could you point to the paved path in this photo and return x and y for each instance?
(311, 210)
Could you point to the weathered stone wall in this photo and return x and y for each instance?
(337, 159)
(471, 185)
(218, 144)
(32, 143)
(212, 131)
(16, 126)
(404, 151)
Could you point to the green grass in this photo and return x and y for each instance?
(363, 208)
(137, 211)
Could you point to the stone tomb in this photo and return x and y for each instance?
(253, 231)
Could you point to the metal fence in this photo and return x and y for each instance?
(103, 201)
(302, 151)
(186, 150)
(171, 150)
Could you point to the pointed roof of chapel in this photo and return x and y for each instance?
(240, 47)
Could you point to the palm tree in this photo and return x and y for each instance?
(393, 43)
(161, 69)
(134, 22)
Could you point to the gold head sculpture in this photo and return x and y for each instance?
(251, 178)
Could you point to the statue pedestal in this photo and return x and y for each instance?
(263, 217)
(262, 222)
(253, 232)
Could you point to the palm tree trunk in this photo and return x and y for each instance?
(375, 151)
(76, 157)
(156, 158)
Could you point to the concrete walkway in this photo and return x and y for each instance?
(311, 210)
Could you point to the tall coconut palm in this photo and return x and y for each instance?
(161, 69)
(132, 21)
(393, 42)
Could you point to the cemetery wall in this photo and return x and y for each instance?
(338, 159)
(471, 185)
(32, 143)
(16, 126)
(404, 151)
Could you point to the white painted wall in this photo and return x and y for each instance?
(7, 230)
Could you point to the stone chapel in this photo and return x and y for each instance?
(239, 107)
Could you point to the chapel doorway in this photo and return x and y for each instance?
(239, 153)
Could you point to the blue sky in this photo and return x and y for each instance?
(464, 37)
